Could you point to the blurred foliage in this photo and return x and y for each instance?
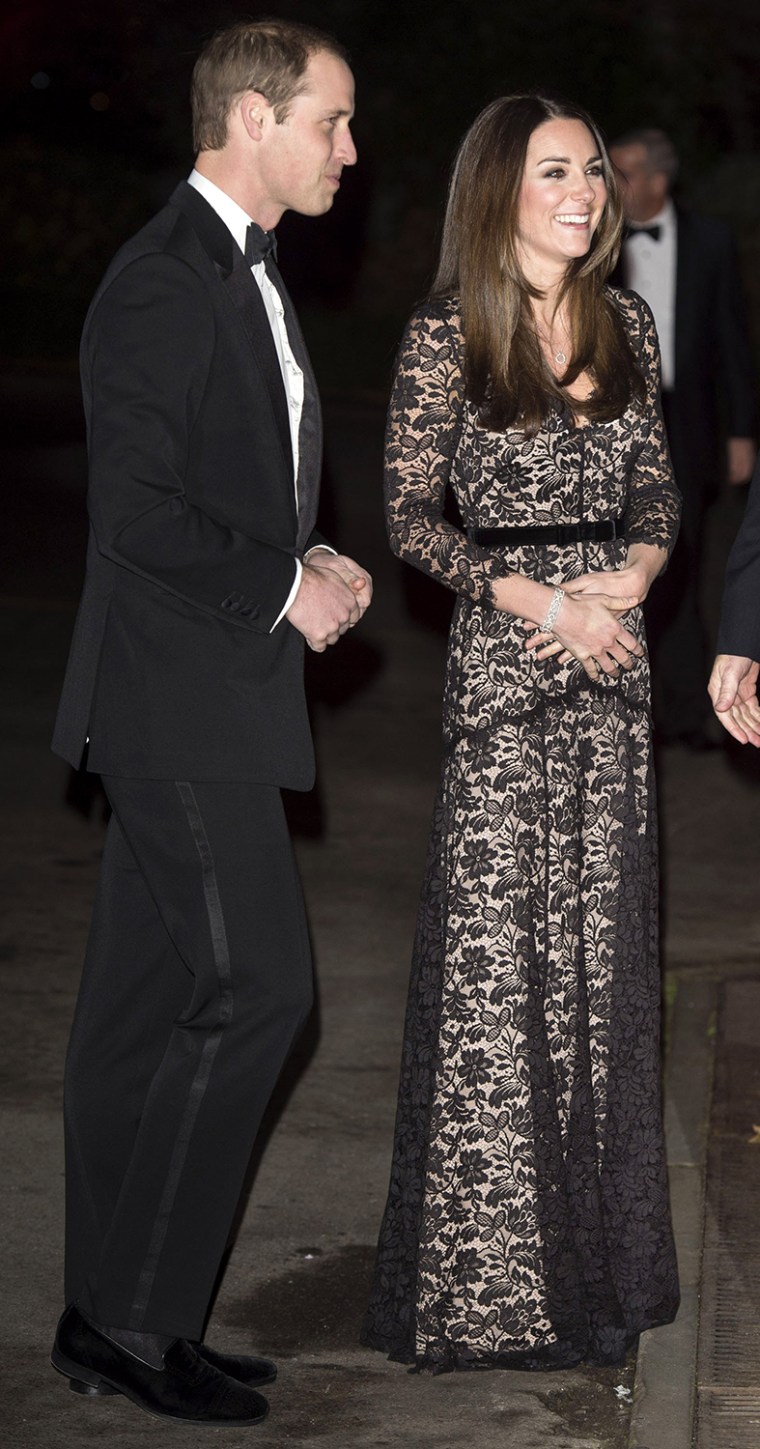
(97, 130)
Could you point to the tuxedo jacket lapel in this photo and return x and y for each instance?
(310, 431)
(242, 289)
(244, 292)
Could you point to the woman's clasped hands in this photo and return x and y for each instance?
(588, 626)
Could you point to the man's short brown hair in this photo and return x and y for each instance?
(270, 56)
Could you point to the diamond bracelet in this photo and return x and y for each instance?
(552, 611)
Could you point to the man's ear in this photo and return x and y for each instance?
(255, 113)
(661, 187)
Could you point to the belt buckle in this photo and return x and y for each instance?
(565, 532)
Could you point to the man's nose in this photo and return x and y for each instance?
(346, 149)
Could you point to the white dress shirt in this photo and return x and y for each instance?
(237, 221)
(650, 270)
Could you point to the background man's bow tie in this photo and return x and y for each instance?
(259, 244)
(654, 231)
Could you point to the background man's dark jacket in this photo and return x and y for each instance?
(714, 394)
(739, 631)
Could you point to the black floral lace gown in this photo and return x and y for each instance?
(527, 1223)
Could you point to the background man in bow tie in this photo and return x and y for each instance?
(684, 265)
(185, 684)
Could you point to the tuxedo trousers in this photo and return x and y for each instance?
(197, 979)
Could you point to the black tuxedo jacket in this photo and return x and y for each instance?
(739, 631)
(175, 670)
(714, 395)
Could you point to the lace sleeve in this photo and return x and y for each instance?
(654, 503)
(424, 425)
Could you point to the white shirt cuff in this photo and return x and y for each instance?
(318, 547)
(291, 595)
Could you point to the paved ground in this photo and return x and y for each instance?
(298, 1273)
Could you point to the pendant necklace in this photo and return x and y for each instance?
(560, 357)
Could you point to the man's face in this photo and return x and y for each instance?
(644, 192)
(302, 158)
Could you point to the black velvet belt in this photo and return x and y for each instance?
(558, 533)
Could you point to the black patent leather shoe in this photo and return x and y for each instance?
(186, 1388)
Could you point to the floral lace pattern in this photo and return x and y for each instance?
(527, 1222)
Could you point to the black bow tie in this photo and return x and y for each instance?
(259, 245)
(654, 231)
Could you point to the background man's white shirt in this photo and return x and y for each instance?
(650, 270)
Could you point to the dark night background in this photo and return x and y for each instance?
(96, 132)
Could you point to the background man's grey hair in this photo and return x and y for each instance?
(661, 153)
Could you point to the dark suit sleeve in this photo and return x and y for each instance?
(734, 365)
(739, 631)
(146, 355)
(317, 540)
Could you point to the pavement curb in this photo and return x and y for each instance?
(664, 1395)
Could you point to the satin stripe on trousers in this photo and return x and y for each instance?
(197, 979)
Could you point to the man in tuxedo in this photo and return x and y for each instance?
(184, 687)
(684, 265)
(733, 682)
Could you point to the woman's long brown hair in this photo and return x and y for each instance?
(506, 376)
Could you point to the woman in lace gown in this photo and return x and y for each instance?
(527, 1223)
